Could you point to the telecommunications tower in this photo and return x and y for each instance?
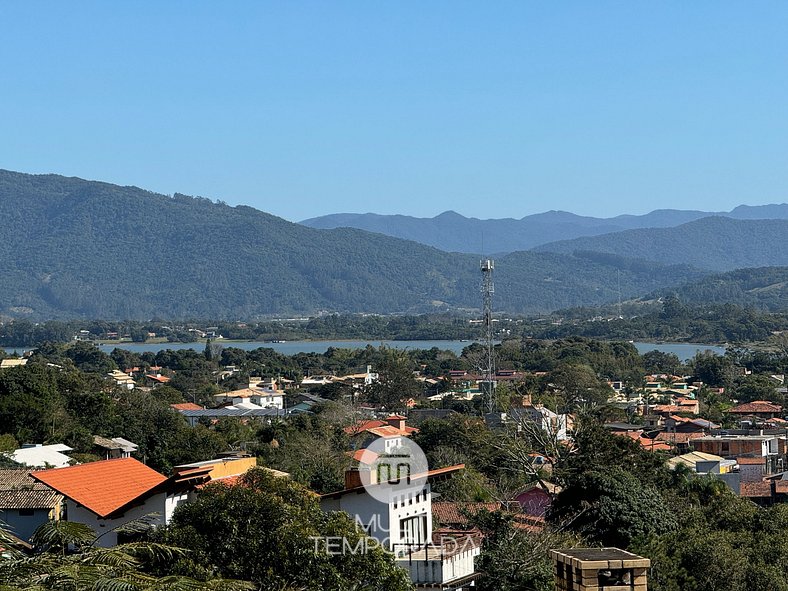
(488, 289)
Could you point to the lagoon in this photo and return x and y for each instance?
(684, 351)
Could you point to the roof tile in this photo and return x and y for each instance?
(102, 487)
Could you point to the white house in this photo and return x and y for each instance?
(108, 494)
(435, 559)
(262, 397)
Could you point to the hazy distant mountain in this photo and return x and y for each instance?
(713, 243)
(70, 247)
(453, 232)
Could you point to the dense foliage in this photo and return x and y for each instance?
(712, 243)
(267, 530)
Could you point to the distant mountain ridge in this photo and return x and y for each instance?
(76, 248)
(453, 232)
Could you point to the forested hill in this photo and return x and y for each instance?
(714, 243)
(764, 288)
(75, 248)
(453, 232)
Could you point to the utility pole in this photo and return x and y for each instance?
(488, 289)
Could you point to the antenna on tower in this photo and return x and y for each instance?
(488, 289)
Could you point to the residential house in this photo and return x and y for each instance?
(436, 559)
(121, 379)
(392, 430)
(117, 447)
(214, 414)
(738, 446)
(557, 425)
(108, 494)
(42, 456)
(25, 504)
(759, 409)
(261, 397)
(155, 379)
(12, 362)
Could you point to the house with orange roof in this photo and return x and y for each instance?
(760, 409)
(393, 429)
(109, 494)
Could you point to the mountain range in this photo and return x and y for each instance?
(75, 248)
(453, 232)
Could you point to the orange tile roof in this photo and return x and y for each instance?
(102, 487)
(362, 426)
(756, 406)
(186, 406)
(160, 379)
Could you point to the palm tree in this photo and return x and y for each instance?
(66, 559)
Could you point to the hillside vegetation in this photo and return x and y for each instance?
(75, 248)
(714, 243)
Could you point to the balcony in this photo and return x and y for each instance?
(446, 564)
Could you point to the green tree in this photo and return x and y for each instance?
(613, 508)
(67, 559)
(265, 530)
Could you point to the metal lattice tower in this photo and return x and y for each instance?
(488, 289)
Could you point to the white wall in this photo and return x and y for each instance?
(161, 504)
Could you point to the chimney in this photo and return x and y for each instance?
(396, 421)
(599, 569)
(354, 479)
(527, 400)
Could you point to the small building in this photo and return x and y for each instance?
(26, 504)
(117, 447)
(599, 569)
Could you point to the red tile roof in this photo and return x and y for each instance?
(379, 429)
(102, 487)
(456, 514)
(186, 406)
(756, 406)
(160, 379)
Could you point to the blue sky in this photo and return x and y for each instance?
(492, 109)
